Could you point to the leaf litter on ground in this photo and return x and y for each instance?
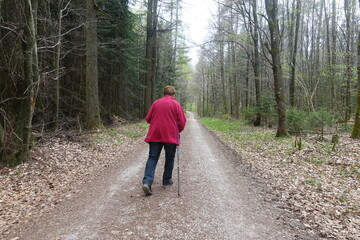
(56, 168)
(321, 186)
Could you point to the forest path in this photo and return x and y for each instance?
(217, 200)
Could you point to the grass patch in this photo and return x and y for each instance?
(241, 133)
(222, 125)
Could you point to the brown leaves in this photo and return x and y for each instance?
(57, 166)
(320, 185)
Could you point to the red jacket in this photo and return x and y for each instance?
(167, 119)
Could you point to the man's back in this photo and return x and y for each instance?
(167, 120)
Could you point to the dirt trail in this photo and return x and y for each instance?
(217, 201)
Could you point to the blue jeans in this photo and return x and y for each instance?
(154, 154)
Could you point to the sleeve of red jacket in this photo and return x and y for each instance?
(181, 119)
(149, 115)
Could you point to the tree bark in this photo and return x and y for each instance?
(93, 119)
(25, 89)
(356, 129)
(57, 65)
(333, 52)
(151, 54)
(256, 65)
(272, 9)
(294, 54)
(221, 59)
(348, 57)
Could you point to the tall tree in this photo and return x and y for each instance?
(356, 129)
(256, 62)
(294, 53)
(221, 40)
(334, 50)
(93, 119)
(151, 54)
(60, 11)
(348, 6)
(20, 79)
(273, 22)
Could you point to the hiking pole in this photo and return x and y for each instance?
(178, 167)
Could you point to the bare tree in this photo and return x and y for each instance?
(20, 78)
(272, 12)
(57, 60)
(294, 53)
(348, 8)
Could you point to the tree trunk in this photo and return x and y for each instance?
(222, 74)
(151, 54)
(25, 89)
(247, 85)
(294, 54)
(234, 80)
(356, 130)
(348, 57)
(57, 65)
(93, 120)
(256, 65)
(333, 52)
(272, 9)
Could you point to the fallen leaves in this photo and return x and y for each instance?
(55, 169)
(321, 186)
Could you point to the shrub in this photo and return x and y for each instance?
(249, 113)
(320, 119)
(297, 120)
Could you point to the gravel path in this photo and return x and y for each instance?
(217, 201)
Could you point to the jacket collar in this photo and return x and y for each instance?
(169, 96)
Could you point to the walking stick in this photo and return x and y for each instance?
(178, 167)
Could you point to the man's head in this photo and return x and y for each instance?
(169, 90)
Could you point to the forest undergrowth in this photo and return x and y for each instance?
(57, 166)
(318, 182)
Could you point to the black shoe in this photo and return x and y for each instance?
(147, 189)
(168, 184)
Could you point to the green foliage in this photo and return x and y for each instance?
(226, 116)
(345, 127)
(232, 128)
(321, 118)
(297, 120)
(267, 103)
(226, 126)
(267, 110)
(120, 60)
(249, 113)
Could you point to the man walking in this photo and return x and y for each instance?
(167, 119)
